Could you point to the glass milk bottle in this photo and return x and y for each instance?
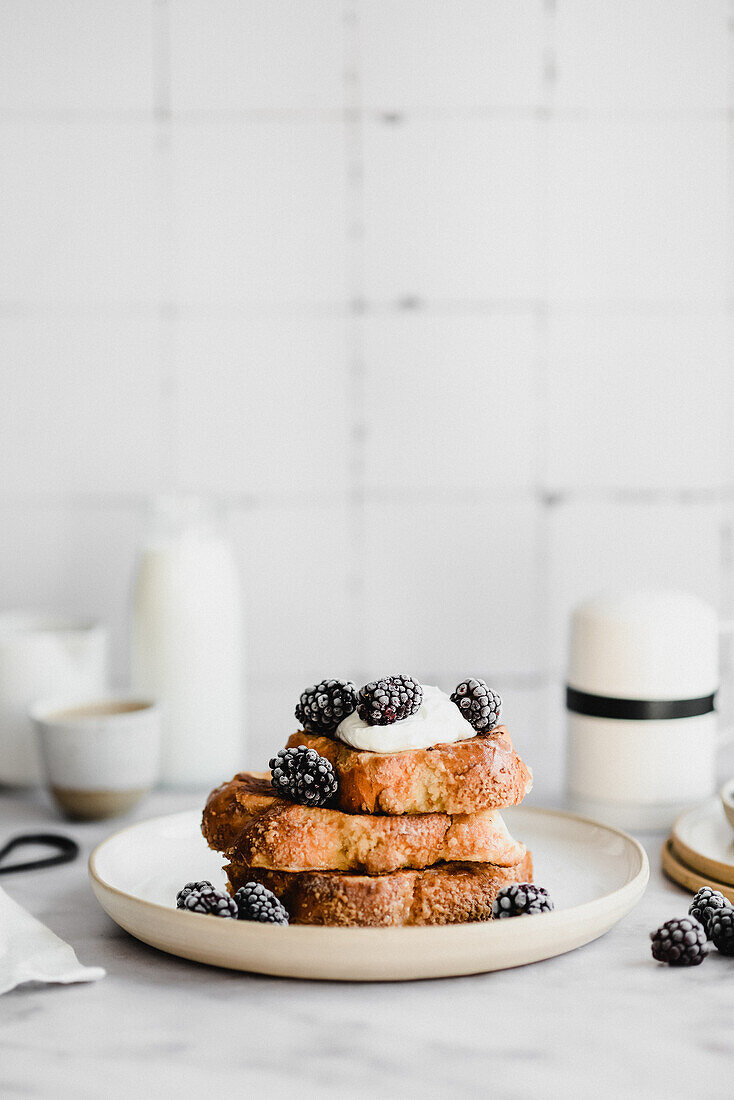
(187, 641)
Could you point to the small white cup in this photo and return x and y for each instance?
(100, 756)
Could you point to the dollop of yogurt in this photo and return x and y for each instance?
(437, 721)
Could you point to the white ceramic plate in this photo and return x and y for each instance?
(595, 875)
(703, 838)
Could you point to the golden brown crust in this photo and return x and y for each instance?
(449, 893)
(483, 772)
(246, 820)
(230, 807)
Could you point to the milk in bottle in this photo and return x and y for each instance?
(187, 641)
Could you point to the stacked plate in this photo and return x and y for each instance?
(700, 850)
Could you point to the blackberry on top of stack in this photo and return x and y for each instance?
(383, 810)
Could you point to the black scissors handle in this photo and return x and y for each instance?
(66, 851)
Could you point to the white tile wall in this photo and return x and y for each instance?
(651, 55)
(438, 297)
(85, 56)
(598, 544)
(452, 209)
(425, 54)
(635, 400)
(262, 405)
(79, 220)
(83, 404)
(246, 55)
(299, 604)
(259, 212)
(534, 717)
(638, 209)
(72, 558)
(463, 409)
(451, 585)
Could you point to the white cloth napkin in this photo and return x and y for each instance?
(31, 952)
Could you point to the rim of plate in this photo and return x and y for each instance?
(687, 877)
(635, 884)
(699, 861)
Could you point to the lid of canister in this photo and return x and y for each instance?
(644, 645)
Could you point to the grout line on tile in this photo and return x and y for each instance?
(726, 533)
(386, 115)
(507, 679)
(356, 367)
(392, 495)
(168, 312)
(542, 395)
(710, 495)
(730, 57)
(161, 18)
(357, 304)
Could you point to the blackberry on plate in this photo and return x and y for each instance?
(211, 901)
(478, 704)
(721, 930)
(189, 889)
(391, 699)
(255, 902)
(679, 942)
(301, 775)
(520, 900)
(705, 904)
(322, 707)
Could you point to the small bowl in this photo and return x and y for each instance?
(726, 795)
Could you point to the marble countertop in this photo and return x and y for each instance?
(604, 1020)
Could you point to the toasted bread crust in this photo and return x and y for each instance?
(481, 773)
(245, 819)
(233, 805)
(449, 893)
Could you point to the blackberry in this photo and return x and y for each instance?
(255, 902)
(721, 930)
(322, 707)
(301, 775)
(478, 704)
(208, 900)
(520, 900)
(189, 889)
(389, 700)
(679, 942)
(705, 904)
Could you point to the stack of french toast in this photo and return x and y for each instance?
(384, 809)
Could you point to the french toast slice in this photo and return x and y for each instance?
(246, 819)
(449, 893)
(233, 805)
(483, 772)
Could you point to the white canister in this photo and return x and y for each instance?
(642, 729)
(41, 655)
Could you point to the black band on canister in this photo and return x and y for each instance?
(636, 710)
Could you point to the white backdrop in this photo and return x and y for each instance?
(436, 295)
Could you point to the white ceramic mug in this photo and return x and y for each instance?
(100, 756)
(642, 726)
(42, 655)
